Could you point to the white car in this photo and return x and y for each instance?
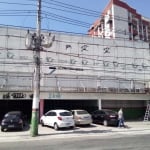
(81, 117)
(58, 119)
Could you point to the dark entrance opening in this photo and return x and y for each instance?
(10, 105)
(89, 105)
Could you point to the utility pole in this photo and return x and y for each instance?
(36, 91)
(36, 42)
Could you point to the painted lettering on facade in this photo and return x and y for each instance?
(54, 95)
(14, 95)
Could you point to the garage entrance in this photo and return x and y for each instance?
(89, 105)
(133, 109)
(10, 105)
(26, 105)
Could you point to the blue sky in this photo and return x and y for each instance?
(52, 12)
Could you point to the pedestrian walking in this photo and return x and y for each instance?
(120, 118)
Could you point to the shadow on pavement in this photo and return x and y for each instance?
(77, 130)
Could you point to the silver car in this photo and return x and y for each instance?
(81, 117)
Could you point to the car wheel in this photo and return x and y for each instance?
(105, 123)
(88, 124)
(42, 123)
(72, 127)
(56, 126)
(3, 129)
(21, 128)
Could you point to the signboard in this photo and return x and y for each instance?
(14, 95)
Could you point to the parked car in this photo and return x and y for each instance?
(105, 117)
(81, 117)
(13, 120)
(58, 119)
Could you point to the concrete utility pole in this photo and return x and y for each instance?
(36, 92)
(36, 42)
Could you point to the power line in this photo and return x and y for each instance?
(86, 12)
(72, 7)
(72, 11)
(77, 9)
(60, 18)
(21, 4)
(66, 19)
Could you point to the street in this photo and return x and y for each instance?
(95, 137)
(140, 142)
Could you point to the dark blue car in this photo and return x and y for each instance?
(12, 120)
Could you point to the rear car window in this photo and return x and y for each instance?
(11, 116)
(81, 112)
(66, 113)
(110, 112)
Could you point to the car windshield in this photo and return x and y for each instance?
(65, 113)
(81, 112)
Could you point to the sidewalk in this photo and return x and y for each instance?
(133, 128)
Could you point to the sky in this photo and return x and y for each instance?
(61, 15)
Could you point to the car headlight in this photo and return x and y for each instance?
(3, 123)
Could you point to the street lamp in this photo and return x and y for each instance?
(52, 70)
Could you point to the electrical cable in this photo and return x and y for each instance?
(63, 19)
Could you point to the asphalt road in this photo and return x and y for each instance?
(136, 142)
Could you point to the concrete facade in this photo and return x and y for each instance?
(91, 63)
(87, 68)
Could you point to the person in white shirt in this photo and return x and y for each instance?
(120, 118)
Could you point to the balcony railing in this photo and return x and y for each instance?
(78, 89)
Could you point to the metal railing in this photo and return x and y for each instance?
(76, 89)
